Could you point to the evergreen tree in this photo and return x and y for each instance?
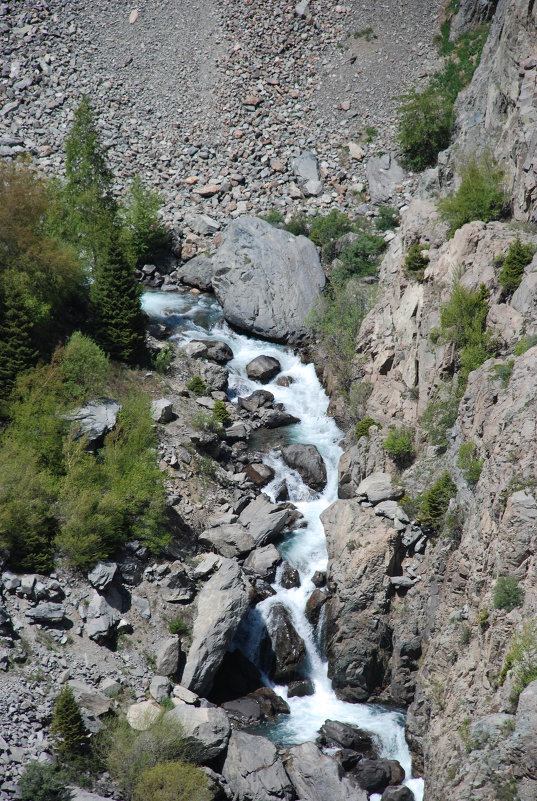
(518, 256)
(142, 231)
(115, 301)
(67, 726)
(17, 351)
(90, 205)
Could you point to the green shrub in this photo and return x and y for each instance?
(178, 626)
(128, 753)
(359, 258)
(298, 225)
(416, 261)
(370, 132)
(387, 218)
(206, 421)
(85, 368)
(483, 619)
(463, 321)
(274, 217)
(220, 412)
(480, 196)
(517, 258)
(325, 229)
(521, 658)
(142, 232)
(507, 594)
(525, 344)
(399, 445)
(453, 525)
(362, 427)
(435, 501)
(173, 781)
(67, 727)
(43, 783)
(440, 415)
(409, 506)
(197, 386)
(503, 372)
(467, 462)
(163, 359)
(366, 33)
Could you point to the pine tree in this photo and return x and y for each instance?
(142, 231)
(67, 726)
(17, 352)
(90, 205)
(518, 256)
(115, 301)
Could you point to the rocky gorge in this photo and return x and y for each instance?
(307, 617)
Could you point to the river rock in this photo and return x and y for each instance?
(308, 463)
(398, 794)
(220, 606)
(259, 399)
(278, 418)
(284, 650)
(264, 562)
(316, 777)
(102, 575)
(197, 272)
(167, 656)
(290, 577)
(230, 540)
(346, 735)
(264, 520)
(95, 420)
(374, 775)
(254, 771)
(261, 474)
(219, 352)
(209, 726)
(266, 279)
(300, 688)
(263, 369)
(314, 604)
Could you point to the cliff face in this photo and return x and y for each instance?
(498, 111)
(429, 633)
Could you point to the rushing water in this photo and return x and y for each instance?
(200, 316)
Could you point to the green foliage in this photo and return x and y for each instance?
(206, 421)
(128, 753)
(507, 594)
(521, 658)
(325, 229)
(517, 258)
(141, 230)
(483, 619)
(416, 260)
(427, 118)
(67, 727)
(274, 217)
(178, 626)
(298, 225)
(163, 359)
(467, 462)
(440, 416)
(43, 783)
(84, 367)
(197, 386)
(362, 427)
(370, 133)
(525, 344)
(453, 525)
(220, 412)
(40, 279)
(435, 501)
(87, 200)
(399, 445)
(463, 322)
(118, 321)
(481, 195)
(409, 505)
(366, 33)
(106, 501)
(359, 257)
(173, 781)
(503, 372)
(387, 218)
(336, 321)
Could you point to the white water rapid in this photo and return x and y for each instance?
(192, 317)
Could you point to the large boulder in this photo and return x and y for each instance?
(316, 777)
(263, 562)
(384, 174)
(263, 369)
(308, 463)
(346, 735)
(101, 619)
(231, 540)
(265, 520)
(220, 606)
(197, 272)
(102, 575)
(90, 698)
(141, 717)
(48, 614)
(283, 651)
(259, 399)
(209, 726)
(378, 487)
(167, 656)
(266, 279)
(95, 420)
(254, 771)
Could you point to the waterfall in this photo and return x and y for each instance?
(192, 317)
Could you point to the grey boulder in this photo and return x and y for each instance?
(102, 575)
(46, 613)
(308, 463)
(91, 699)
(221, 604)
(263, 369)
(266, 279)
(95, 419)
(231, 540)
(162, 410)
(263, 562)
(254, 771)
(283, 650)
(209, 726)
(264, 520)
(378, 487)
(383, 176)
(101, 618)
(197, 272)
(167, 656)
(316, 777)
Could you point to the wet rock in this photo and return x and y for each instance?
(263, 369)
(316, 777)
(300, 688)
(283, 651)
(346, 735)
(254, 771)
(290, 576)
(259, 399)
(264, 520)
(197, 272)
(261, 474)
(221, 604)
(219, 352)
(398, 794)
(264, 562)
(314, 604)
(285, 380)
(167, 656)
(95, 420)
(209, 726)
(319, 578)
(266, 279)
(102, 575)
(308, 463)
(278, 418)
(374, 775)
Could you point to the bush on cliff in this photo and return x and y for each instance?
(507, 593)
(517, 258)
(481, 195)
(435, 501)
(399, 445)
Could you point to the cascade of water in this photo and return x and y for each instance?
(192, 317)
